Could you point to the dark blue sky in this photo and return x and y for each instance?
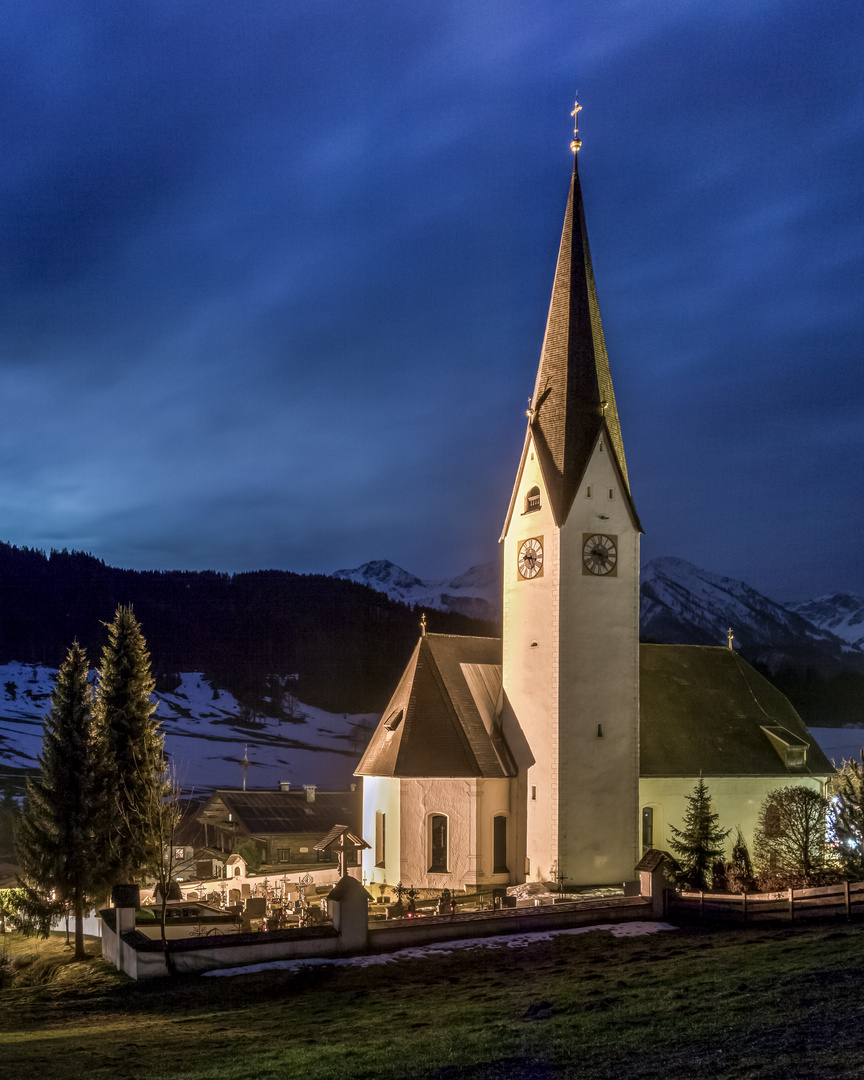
(275, 275)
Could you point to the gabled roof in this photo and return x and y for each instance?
(706, 711)
(441, 721)
(703, 709)
(573, 396)
(264, 813)
(344, 835)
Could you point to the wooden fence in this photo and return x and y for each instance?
(845, 899)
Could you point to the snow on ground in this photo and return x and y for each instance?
(839, 744)
(205, 736)
(444, 948)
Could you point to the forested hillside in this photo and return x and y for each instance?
(346, 642)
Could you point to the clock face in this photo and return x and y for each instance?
(599, 554)
(530, 561)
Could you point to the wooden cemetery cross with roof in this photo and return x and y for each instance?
(341, 839)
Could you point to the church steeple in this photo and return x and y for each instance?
(573, 400)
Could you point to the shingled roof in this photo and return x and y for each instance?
(705, 710)
(444, 719)
(568, 414)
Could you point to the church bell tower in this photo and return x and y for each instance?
(571, 598)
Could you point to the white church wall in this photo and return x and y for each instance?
(599, 685)
(737, 799)
(469, 805)
(381, 796)
(530, 673)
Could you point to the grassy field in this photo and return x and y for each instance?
(766, 1003)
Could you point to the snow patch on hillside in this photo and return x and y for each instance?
(206, 734)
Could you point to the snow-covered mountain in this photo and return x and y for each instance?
(476, 593)
(841, 613)
(682, 604)
(207, 732)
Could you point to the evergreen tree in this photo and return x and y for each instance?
(700, 843)
(56, 835)
(739, 872)
(134, 762)
(846, 817)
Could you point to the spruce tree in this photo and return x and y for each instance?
(134, 762)
(56, 835)
(739, 872)
(700, 843)
(846, 817)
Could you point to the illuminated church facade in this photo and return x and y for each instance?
(500, 761)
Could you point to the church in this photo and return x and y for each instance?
(561, 751)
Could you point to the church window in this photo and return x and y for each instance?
(533, 793)
(379, 838)
(532, 500)
(499, 837)
(437, 844)
(611, 493)
(599, 731)
(647, 827)
(588, 492)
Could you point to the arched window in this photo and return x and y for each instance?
(499, 845)
(532, 500)
(437, 844)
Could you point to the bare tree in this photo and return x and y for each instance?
(790, 844)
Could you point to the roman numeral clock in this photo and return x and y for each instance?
(599, 554)
(530, 558)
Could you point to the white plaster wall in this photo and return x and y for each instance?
(470, 806)
(530, 672)
(599, 685)
(381, 793)
(498, 800)
(737, 799)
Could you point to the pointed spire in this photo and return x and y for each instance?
(573, 398)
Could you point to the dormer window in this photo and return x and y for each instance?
(394, 720)
(532, 500)
(791, 749)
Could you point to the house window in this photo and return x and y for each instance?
(499, 845)
(647, 828)
(379, 838)
(532, 500)
(283, 854)
(437, 844)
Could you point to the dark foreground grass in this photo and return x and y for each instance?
(766, 1003)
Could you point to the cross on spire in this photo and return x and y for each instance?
(576, 145)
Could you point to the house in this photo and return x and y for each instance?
(284, 825)
(520, 759)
